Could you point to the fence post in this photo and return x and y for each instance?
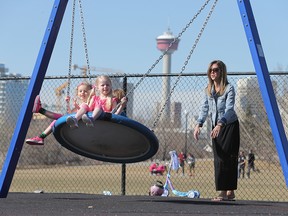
(123, 171)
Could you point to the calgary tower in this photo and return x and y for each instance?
(165, 44)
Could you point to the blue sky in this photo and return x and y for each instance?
(122, 35)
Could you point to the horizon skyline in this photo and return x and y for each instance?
(119, 42)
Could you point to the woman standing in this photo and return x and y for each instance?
(219, 105)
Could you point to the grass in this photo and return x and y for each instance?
(268, 185)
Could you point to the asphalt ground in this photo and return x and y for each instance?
(53, 204)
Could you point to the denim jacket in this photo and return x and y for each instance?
(219, 108)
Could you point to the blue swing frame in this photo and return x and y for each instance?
(43, 59)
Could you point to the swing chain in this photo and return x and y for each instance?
(71, 47)
(171, 44)
(84, 40)
(186, 61)
(70, 54)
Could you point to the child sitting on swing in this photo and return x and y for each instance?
(82, 93)
(121, 99)
(100, 105)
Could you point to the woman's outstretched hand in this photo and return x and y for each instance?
(197, 132)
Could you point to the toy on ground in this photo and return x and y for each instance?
(157, 189)
(174, 164)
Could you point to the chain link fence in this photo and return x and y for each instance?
(53, 169)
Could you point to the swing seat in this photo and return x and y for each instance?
(119, 140)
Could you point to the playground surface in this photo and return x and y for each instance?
(89, 204)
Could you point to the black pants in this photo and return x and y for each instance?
(226, 149)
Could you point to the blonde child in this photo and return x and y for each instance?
(82, 92)
(101, 104)
(119, 94)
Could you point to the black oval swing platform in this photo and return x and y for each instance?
(118, 140)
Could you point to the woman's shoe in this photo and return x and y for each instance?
(230, 195)
(221, 197)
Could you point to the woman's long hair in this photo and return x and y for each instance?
(223, 77)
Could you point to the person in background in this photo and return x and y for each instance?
(241, 164)
(157, 169)
(251, 165)
(153, 168)
(218, 103)
(182, 159)
(191, 163)
(161, 169)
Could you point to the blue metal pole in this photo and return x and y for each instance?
(265, 84)
(35, 84)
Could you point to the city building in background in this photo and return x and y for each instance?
(176, 110)
(249, 99)
(12, 93)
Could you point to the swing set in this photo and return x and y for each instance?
(135, 142)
